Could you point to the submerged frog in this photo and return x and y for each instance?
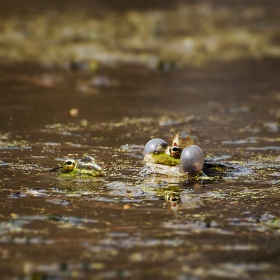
(83, 168)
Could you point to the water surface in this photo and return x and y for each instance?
(127, 225)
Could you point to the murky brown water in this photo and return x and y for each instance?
(121, 225)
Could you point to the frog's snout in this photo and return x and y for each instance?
(175, 151)
(96, 167)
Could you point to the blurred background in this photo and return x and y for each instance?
(151, 33)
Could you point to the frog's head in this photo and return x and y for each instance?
(82, 168)
(178, 150)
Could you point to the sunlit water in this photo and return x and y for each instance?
(130, 224)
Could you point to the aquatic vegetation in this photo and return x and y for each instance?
(14, 145)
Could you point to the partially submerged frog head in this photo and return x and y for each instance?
(85, 167)
(159, 152)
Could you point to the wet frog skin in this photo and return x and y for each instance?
(84, 168)
(162, 158)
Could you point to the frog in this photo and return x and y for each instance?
(84, 168)
(180, 157)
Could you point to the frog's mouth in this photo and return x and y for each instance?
(56, 169)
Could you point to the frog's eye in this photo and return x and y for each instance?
(69, 165)
(175, 151)
(162, 146)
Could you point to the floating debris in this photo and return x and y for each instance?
(2, 163)
(74, 112)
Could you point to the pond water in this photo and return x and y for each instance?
(127, 224)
